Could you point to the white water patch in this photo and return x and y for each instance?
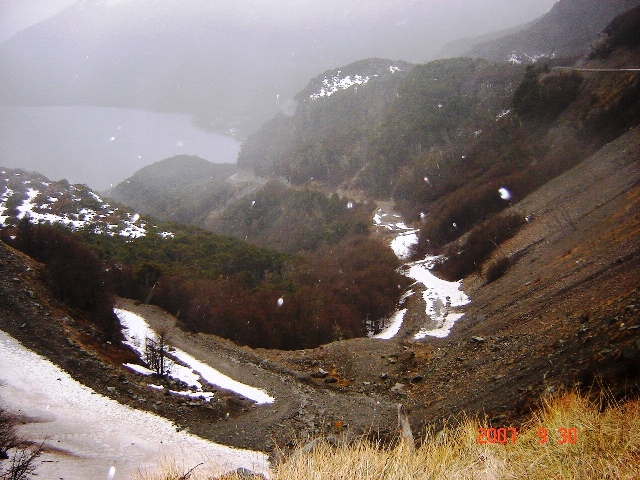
(87, 435)
(138, 330)
(58, 141)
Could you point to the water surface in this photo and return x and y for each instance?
(101, 146)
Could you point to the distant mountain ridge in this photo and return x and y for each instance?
(226, 63)
(566, 31)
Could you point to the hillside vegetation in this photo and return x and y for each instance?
(180, 189)
(294, 219)
(455, 142)
(362, 136)
(216, 284)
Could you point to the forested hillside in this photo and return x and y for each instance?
(456, 141)
(340, 284)
(294, 219)
(181, 189)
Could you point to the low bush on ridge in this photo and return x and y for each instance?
(463, 259)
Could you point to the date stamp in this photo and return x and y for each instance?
(563, 436)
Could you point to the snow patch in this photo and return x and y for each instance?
(402, 244)
(86, 434)
(3, 205)
(138, 330)
(331, 85)
(440, 297)
(519, 58)
(503, 113)
(394, 327)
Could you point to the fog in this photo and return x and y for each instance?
(229, 66)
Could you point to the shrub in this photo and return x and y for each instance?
(544, 97)
(464, 259)
(497, 268)
(19, 455)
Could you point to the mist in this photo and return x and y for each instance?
(228, 66)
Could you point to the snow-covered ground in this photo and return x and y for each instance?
(41, 207)
(339, 81)
(89, 436)
(441, 297)
(189, 370)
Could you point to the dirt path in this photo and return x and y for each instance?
(301, 409)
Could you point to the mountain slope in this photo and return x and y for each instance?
(31, 195)
(362, 136)
(566, 31)
(321, 139)
(181, 188)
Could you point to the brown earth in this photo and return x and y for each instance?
(566, 314)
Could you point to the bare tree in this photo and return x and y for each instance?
(155, 352)
(20, 456)
(8, 438)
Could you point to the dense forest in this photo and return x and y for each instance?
(215, 284)
(294, 220)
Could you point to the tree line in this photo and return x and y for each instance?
(219, 285)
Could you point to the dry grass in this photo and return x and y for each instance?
(607, 447)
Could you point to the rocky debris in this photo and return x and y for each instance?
(320, 373)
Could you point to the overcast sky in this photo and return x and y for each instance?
(481, 15)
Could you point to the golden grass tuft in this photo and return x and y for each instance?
(607, 447)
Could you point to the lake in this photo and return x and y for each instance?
(101, 146)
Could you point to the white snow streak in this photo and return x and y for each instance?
(137, 330)
(441, 297)
(394, 327)
(401, 245)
